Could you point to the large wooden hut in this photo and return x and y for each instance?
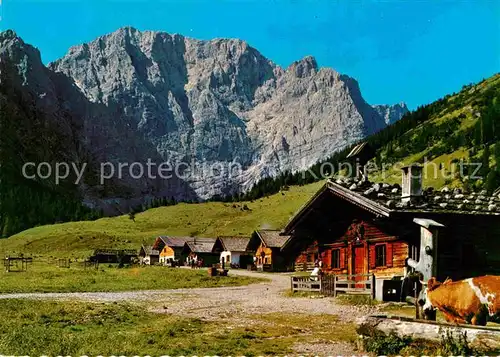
(358, 227)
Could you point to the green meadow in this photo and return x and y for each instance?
(79, 239)
(45, 278)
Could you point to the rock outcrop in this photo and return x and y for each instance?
(391, 113)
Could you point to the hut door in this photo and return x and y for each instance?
(358, 263)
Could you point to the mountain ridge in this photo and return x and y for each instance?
(225, 84)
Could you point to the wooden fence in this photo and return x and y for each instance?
(361, 284)
(306, 266)
(12, 263)
(304, 283)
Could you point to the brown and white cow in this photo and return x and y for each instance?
(473, 301)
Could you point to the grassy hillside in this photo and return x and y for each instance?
(459, 127)
(78, 239)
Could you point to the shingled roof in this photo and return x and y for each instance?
(201, 245)
(273, 239)
(148, 250)
(235, 244)
(384, 199)
(175, 242)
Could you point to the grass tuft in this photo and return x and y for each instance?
(356, 300)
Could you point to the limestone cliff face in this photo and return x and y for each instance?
(220, 106)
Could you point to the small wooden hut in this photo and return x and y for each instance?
(270, 254)
(170, 248)
(201, 249)
(234, 250)
(148, 255)
(124, 256)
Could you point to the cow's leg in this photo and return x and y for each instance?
(460, 320)
(481, 317)
(495, 318)
(479, 320)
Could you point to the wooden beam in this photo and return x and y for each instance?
(358, 199)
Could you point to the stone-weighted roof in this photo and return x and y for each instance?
(175, 242)
(443, 200)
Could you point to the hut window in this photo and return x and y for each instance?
(380, 255)
(335, 258)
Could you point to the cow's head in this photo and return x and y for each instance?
(425, 302)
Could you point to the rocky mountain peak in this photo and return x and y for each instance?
(16, 49)
(391, 113)
(9, 35)
(305, 67)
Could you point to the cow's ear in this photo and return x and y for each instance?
(432, 284)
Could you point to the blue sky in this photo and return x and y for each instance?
(411, 51)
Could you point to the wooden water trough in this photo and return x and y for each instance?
(485, 338)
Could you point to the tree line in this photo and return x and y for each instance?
(27, 134)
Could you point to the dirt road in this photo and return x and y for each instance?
(263, 297)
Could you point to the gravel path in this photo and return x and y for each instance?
(205, 303)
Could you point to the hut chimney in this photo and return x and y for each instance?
(412, 183)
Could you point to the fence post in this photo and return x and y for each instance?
(373, 286)
(291, 283)
(417, 309)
